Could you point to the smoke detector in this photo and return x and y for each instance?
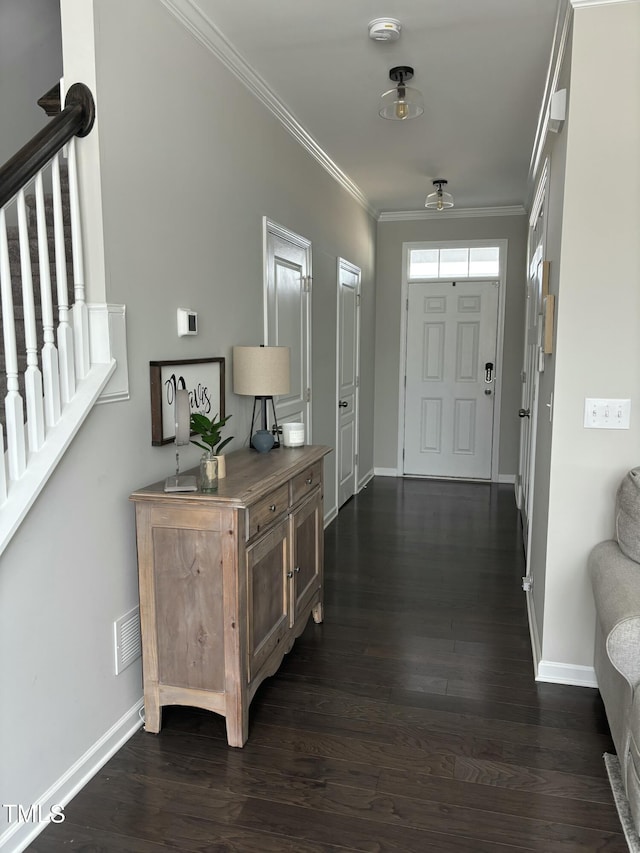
(384, 29)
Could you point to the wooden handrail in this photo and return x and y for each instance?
(50, 101)
(76, 119)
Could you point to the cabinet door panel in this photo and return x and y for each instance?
(307, 553)
(268, 617)
(188, 600)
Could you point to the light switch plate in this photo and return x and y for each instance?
(600, 413)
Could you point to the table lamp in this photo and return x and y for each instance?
(262, 373)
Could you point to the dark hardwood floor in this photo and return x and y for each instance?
(408, 722)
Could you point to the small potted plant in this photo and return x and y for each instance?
(212, 464)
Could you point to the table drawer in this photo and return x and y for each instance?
(264, 512)
(306, 482)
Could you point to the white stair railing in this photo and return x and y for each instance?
(50, 361)
(33, 376)
(65, 331)
(80, 313)
(54, 386)
(13, 404)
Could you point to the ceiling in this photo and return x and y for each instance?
(481, 66)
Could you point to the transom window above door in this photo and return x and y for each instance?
(460, 262)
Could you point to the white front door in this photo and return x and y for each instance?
(288, 317)
(348, 367)
(450, 379)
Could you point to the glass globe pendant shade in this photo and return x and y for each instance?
(439, 199)
(401, 103)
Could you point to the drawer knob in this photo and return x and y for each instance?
(272, 507)
(289, 574)
(297, 569)
(309, 480)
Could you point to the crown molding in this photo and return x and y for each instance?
(559, 46)
(451, 213)
(577, 4)
(205, 31)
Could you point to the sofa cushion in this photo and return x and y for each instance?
(632, 780)
(628, 515)
(616, 591)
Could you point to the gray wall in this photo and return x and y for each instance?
(391, 236)
(190, 163)
(555, 152)
(597, 344)
(30, 64)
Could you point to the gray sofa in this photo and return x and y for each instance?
(614, 567)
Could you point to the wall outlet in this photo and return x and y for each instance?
(601, 413)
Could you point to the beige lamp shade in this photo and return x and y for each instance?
(261, 371)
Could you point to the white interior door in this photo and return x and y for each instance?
(288, 317)
(347, 384)
(450, 379)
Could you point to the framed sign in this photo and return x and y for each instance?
(203, 378)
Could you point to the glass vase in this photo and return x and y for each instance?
(208, 473)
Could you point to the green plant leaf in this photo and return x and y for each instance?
(223, 444)
(209, 431)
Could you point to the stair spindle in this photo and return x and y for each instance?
(3, 472)
(13, 405)
(65, 332)
(80, 312)
(50, 367)
(32, 376)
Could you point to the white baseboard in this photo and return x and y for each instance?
(536, 649)
(565, 673)
(329, 517)
(386, 472)
(365, 479)
(552, 671)
(510, 479)
(20, 834)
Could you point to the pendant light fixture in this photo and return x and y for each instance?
(402, 101)
(439, 199)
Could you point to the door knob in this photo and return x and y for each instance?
(343, 404)
(524, 413)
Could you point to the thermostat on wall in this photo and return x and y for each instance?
(187, 322)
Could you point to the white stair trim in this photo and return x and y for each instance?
(108, 339)
(40, 466)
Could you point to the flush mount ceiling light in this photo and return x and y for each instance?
(401, 102)
(439, 199)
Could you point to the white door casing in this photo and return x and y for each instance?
(531, 358)
(529, 407)
(287, 315)
(450, 379)
(347, 379)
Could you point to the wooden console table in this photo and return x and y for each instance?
(228, 581)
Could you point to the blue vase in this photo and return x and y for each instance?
(262, 440)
